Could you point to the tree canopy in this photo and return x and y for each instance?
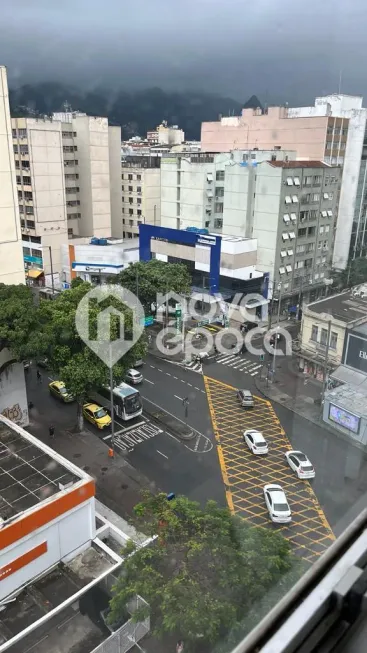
(18, 321)
(146, 279)
(204, 572)
(69, 357)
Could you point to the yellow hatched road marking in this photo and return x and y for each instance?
(244, 475)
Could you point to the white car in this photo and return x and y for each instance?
(133, 376)
(256, 442)
(300, 464)
(277, 504)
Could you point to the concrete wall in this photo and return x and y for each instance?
(11, 254)
(266, 216)
(114, 152)
(92, 141)
(13, 393)
(151, 190)
(309, 320)
(306, 135)
(62, 536)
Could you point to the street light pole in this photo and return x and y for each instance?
(326, 362)
(112, 407)
(52, 271)
(279, 299)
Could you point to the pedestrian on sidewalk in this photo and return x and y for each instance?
(30, 405)
(51, 431)
(39, 377)
(180, 646)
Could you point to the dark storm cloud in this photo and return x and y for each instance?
(282, 50)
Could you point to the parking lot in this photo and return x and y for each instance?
(244, 474)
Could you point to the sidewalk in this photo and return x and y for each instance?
(293, 390)
(118, 484)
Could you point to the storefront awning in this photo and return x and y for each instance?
(34, 274)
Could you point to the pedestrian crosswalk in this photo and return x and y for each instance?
(238, 363)
(230, 360)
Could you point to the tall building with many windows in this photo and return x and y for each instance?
(68, 171)
(11, 259)
(140, 194)
(333, 130)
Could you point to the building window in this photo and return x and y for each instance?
(30, 224)
(178, 178)
(292, 235)
(300, 249)
(328, 145)
(21, 208)
(294, 217)
(131, 200)
(311, 231)
(122, 187)
(138, 211)
(130, 177)
(301, 232)
(294, 199)
(290, 252)
(219, 191)
(28, 196)
(131, 211)
(70, 231)
(218, 207)
(289, 181)
(313, 214)
(285, 236)
(139, 200)
(323, 337)
(29, 210)
(218, 223)
(288, 268)
(300, 265)
(314, 332)
(321, 230)
(138, 189)
(304, 215)
(307, 181)
(315, 197)
(283, 253)
(327, 229)
(286, 218)
(333, 340)
(122, 199)
(282, 270)
(122, 176)
(330, 213)
(288, 199)
(219, 175)
(130, 189)
(138, 177)
(123, 210)
(296, 181)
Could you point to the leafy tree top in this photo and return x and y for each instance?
(204, 571)
(18, 321)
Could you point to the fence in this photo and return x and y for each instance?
(123, 639)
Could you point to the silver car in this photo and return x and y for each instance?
(134, 377)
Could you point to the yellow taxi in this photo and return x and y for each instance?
(97, 415)
(58, 390)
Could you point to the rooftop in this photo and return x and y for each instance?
(344, 307)
(346, 396)
(299, 164)
(30, 472)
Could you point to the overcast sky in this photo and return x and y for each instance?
(280, 50)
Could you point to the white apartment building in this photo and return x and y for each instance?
(210, 190)
(64, 184)
(140, 194)
(11, 258)
(166, 134)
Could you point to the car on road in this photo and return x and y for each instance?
(43, 362)
(139, 363)
(256, 442)
(134, 377)
(300, 464)
(97, 415)
(57, 389)
(245, 398)
(277, 504)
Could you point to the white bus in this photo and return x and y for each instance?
(127, 402)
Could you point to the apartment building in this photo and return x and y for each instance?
(64, 183)
(140, 195)
(11, 258)
(332, 131)
(210, 191)
(293, 218)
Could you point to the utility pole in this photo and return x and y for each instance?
(155, 212)
(112, 407)
(279, 299)
(324, 384)
(52, 271)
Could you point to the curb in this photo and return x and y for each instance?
(154, 415)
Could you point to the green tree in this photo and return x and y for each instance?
(18, 321)
(354, 274)
(146, 279)
(203, 573)
(69, 357)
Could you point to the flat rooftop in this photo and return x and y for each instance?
(348, 397)
(343, 307)
(299, 164)
(29, 473)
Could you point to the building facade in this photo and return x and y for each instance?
(332, 131)
(96, 262)
(11, 257)
(64, 183)
(141, 195)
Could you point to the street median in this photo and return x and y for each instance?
(170, 422)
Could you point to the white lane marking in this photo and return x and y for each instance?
(172, 436)
(50, 378)
(257, 367)
(175, 377)
(197, 388)
(152, 366)
(159, 369)
(177, 397)
(107, 437)
(253, 373)
(190, 384)
(226, 357)
(234, 363)
(237, 365)
(202, 391)
(168, 374)
(147, 380)
(162, 454)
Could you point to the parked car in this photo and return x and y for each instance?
(256, 442)
(300, 464)
(133, 376)
(58, 390)
(97, 415)
(139, 363)
(245, 398)
(277, 504)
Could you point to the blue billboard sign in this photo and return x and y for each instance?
(33, 259)
(147, 232)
